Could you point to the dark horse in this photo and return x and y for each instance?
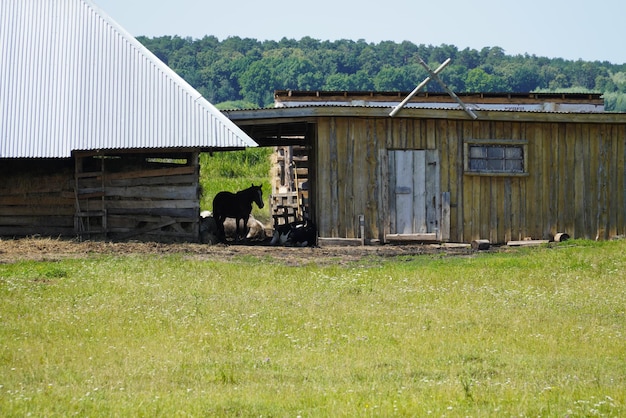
(238, 206)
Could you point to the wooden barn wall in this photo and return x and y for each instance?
(145, 197)
(129, 197)
(36, 197)
(575, 182)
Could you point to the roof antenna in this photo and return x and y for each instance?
(433, 76)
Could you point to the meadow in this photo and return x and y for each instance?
(234, 171)
(527, 333)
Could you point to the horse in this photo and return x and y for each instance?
(238, 206)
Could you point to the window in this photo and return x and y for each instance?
(495, 157)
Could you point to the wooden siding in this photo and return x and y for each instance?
(145, 197)
(574, 182)
(36, 197)
(127, 196)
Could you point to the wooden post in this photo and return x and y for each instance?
(362, 228)
(480, 244)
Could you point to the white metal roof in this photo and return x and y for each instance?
(73, 79)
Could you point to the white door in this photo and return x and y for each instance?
(414, 194)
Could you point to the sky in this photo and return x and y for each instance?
(568, 29)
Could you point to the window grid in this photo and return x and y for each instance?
(495, 157)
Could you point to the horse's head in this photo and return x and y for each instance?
(257, 193)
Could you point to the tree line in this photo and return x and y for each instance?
(245, 72)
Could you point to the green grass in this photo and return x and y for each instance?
(233, 171)
(534, 332)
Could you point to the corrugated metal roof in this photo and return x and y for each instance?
(73, 79)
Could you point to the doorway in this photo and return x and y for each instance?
(414, 195)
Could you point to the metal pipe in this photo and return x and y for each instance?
(419, 87)
(434, 76)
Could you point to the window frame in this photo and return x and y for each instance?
(519, 143)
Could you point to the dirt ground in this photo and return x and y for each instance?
(50, 249)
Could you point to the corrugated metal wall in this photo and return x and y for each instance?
(72, 79)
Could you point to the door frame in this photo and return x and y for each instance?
(428, 208)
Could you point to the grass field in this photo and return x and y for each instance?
(534, 332)
(234, 171)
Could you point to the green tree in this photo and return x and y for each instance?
(478, 80)
(237, 68)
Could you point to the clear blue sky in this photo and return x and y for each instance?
(569, 29)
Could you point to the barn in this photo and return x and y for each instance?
(98, 137)
(514, 167)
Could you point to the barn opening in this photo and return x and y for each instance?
(292, 163)
(140, 196)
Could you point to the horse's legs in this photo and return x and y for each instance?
(245, 226)
(221, 235)
(236, 229)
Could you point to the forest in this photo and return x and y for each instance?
(244, 73)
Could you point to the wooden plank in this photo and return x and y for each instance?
(148, 181)
(444, 229)
(591, 183)
(548, 227)
(391, 200)
(348, 215)
(383, 200)
(529, 242)
(131, 222)
(507, 209)
(604, 166)
(37, 222)
(433, 191)
(161, 172)
(22, 184)
(535, 202)
(323, 181)
(322, 242)
(579, 189)
(45, 200)
(153, 192)
(420, 197)
(39, 210)
(374, 218)
(460, 232)
(451, 163)
(333, 215)
(620, 173)
(435, 129)
(411, 237)
(370, 181)
(404, 201)
(151, 204)
(340, 180)
(504, 198)
(467, 212)
(561, 177)
(156, 211)
(484, 207)
(568, 179)
(613, 173)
